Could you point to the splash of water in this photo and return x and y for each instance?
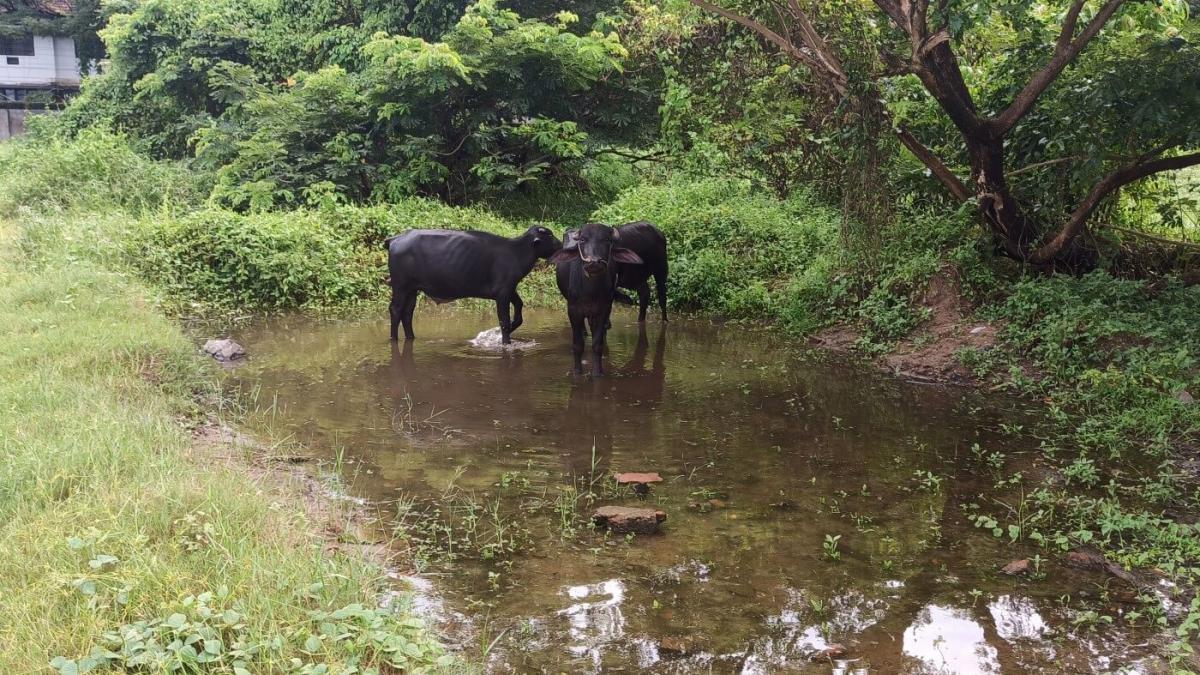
(491, 340)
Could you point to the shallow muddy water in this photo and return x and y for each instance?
(767, 455)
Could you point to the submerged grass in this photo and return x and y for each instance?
(122, 543)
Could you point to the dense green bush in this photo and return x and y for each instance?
(734, 250)
(319, 257)
(95, 170)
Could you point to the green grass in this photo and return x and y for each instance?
(114, 523)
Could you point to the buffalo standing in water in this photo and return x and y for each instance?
(650, 245)
(587, 276)
(449, 265)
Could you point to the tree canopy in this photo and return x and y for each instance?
(1079, 99)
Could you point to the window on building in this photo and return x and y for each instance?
(16, 46)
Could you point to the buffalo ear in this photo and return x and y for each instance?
(563, 255)
(627, 256)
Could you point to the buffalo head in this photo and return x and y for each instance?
(596, 245)
(544, 241)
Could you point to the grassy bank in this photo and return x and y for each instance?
(123, 544)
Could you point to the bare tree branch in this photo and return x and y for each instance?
(1107, 185)
(940, 171)
(1039, 165)
(649, 157)
(1151, 237)
(780, 41)
(1065, 50)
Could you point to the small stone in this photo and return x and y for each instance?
(833, 651)
(635, 478)
(224, 350)
(1017, 567)
(628, 519)
(640, 482)
(1086, 558)
(1185, 397)
(676, 646)
(978, 329)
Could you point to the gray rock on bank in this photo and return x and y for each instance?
(224, 350)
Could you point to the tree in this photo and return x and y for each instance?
(925, 42)
(499, 103)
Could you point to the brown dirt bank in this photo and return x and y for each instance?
(931, 352)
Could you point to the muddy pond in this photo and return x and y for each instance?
(810, 501)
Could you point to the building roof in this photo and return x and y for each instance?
(49, 7)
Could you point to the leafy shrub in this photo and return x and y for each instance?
(95, 170)
(207, 633)
(317, 257)
(734, 251)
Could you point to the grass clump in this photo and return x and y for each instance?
(123, 545)
(96, 170)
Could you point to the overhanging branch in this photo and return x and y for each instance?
(1111, 183)
(1065, 50)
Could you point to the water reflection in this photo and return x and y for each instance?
(784, 450)
(1017, 618)
(948, 640)
(594, 618)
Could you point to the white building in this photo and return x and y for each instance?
(37, 63)
(35, 71)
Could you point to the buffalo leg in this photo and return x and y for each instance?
(410, 306)
(599, 332)
(577, 341)
(660, 287)
(643, 292)
(518, 319)
(502, 309)
(396, 312)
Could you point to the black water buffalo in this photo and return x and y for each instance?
(650, 245)
(586, 271)
(448, 265)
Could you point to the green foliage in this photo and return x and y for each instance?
(265, 260)
(733, 251)
(495, 104)
(95, 170)
(206, 635)
(312, 258)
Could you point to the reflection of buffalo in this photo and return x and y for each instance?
(594, 412)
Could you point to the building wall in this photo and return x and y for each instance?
(12, 122)
(53, 64)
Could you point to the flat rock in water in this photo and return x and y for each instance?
(628, 519)
(635, 478)
(1089, 558)
(493, 340)
(1017, 567)
(676, 646)
(224, 350)
(1086, 558)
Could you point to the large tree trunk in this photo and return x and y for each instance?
(1000, 212)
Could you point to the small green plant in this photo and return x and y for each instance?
(830, 546)
(928, 481)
